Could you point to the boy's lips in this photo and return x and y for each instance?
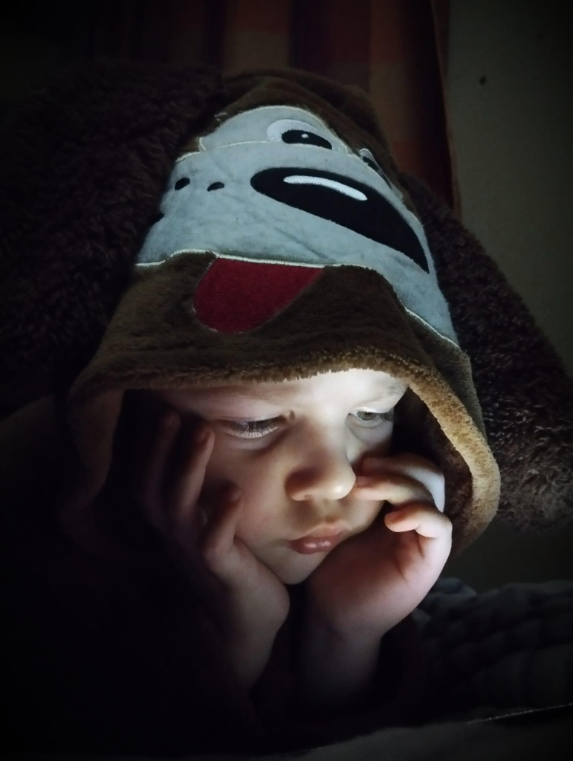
(316, 544)
(320, 540)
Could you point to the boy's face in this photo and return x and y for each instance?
(292, 448)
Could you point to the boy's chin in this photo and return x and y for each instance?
(288, 565)
(299, 571)
(294, 578)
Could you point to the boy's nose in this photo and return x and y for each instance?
(319, 480)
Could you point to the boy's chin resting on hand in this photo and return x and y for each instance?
(371, 582)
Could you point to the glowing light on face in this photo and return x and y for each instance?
(292, 448)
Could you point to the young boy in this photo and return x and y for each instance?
(284, 299)
(296, 513)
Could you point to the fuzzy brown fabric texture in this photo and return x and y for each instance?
(524, 390)
(147, 345)
(84, 163)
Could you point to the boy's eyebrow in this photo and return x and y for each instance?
(269, 395)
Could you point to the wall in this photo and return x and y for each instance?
(509, 93)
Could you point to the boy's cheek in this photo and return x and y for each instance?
(256, 527)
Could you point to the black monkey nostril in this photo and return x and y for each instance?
(182, 183)
(215, 186)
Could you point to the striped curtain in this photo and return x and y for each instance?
(396, 50)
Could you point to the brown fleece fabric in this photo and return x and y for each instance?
(114, 651)
(84, 163)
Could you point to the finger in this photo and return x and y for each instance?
(433, 529)
(219, 534)
(186, 482)
(413, 466)
(141, 432)
(154, 465)
(423, 519)
(394, 488)
(142, 420)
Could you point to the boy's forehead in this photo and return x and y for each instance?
(360, 382)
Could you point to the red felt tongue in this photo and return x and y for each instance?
(238, 296)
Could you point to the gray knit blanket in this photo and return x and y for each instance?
(508, 648)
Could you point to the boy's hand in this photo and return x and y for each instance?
(248, 599)
(373, 580)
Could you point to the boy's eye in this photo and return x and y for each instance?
(254, 429)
